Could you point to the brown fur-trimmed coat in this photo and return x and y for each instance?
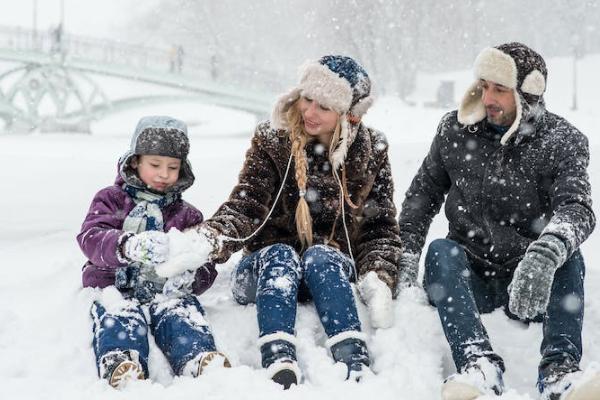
(372, 227)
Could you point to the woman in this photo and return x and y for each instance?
(309, 233)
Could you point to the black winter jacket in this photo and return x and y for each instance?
(501, 198)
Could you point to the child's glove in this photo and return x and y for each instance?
(148, 248)
(377, 295)
(189, 250)
(529, 291)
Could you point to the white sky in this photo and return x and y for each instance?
(84, 17)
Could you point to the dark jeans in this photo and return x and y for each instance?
(178, 326)
(460, 294)
(276, 277)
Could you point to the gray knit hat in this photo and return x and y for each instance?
(160, 136)
(515, 66)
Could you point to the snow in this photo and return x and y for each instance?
(188, 251)
(45, 333)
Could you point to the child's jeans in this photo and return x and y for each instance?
(178, 327)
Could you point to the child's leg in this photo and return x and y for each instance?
(183, 334)
(119, 334)
(327, 273)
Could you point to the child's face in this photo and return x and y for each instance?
(157, 172)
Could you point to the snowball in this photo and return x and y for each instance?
(187, 252)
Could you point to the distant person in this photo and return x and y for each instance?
(123, 238)
(313, 210)
(57, 39)
(179, 57)
(518, 202)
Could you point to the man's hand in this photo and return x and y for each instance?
(529, 291)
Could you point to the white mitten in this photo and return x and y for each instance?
(187, 252)
(378, 298)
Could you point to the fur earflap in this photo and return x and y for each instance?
(534, 83)
(471, 109)
(282, 105)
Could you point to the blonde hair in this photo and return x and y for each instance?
(298, 138)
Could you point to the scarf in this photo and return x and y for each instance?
(146, 216)
(147, 213)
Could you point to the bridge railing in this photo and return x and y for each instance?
(62, 46)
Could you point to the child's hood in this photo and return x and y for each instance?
(158, 135)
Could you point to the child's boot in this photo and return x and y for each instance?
(209, 359)
(350, 348)
(120, 367)
(278, 351)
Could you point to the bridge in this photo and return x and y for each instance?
(50, 83)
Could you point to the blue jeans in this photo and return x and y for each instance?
(178, 326)
(275, 278)
(461, 294)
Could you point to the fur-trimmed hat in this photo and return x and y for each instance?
(338, 83)
(160, 136)
(515, 66)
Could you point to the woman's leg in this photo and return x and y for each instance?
(327, 273)
(270, 277)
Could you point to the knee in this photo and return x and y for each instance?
(279, 256)
(444, 257)
(320, 258)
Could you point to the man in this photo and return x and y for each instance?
(519, 206)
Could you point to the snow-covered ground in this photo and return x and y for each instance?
(45, 331)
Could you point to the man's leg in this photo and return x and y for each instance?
(459, 296)
(327, 273)
(561, 347)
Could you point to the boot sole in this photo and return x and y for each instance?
(590, 390)
(209, 358)
(286, 378)
(459, 391)
(126, 371)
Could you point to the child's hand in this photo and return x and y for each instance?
(188, 251)
(149, 248)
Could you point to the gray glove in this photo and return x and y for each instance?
(529, 291)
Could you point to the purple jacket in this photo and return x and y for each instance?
(102, 230)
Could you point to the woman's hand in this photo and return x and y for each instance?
(377, 295)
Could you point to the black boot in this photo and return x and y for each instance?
(352, 352)
(279, 358)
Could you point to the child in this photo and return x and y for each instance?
(123, 236)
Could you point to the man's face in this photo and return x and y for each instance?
(499, 102)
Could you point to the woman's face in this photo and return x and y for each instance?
(319, 122)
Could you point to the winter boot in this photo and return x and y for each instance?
(119, 367)
(350, 348)
(196, 366)
(565, 381)
(278, 351)
(479, 377)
